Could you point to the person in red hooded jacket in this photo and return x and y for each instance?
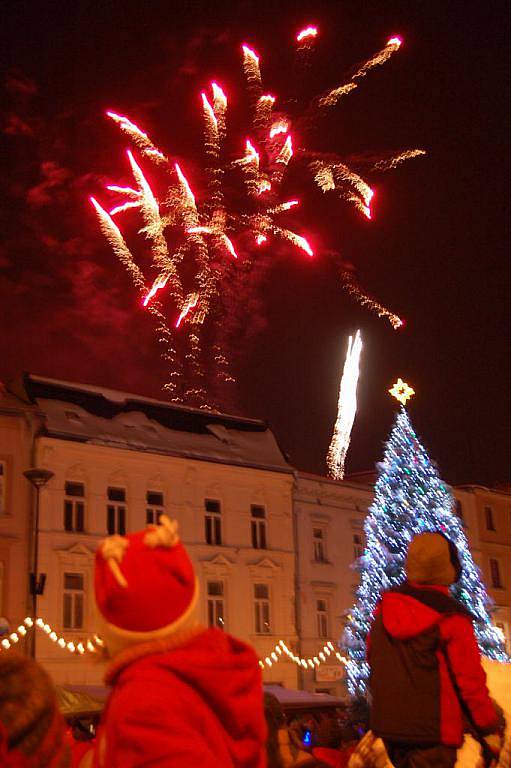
(183, 696)
(426, 675)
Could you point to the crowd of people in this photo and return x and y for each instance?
(187, 696)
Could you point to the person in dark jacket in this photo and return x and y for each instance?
(426, 673)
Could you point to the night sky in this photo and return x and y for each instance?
(437, 251)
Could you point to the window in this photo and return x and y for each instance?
(262, 609)
(258, 526)
(496, 580)
(213, 522)
(116, 513)
(358, 545)
(155, 507)
(73, 601)
(74, 507)
(318, 537)
(3, 483)
(216, 613)
(322, 618)
(488, 516)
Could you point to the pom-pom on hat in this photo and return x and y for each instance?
(145, 583)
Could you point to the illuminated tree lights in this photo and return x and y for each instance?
(410, 498)
(192, 236)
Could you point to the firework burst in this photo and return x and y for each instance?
(192, 237)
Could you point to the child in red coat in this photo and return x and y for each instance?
(183, 696)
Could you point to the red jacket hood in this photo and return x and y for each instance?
(222, 671)
(405, 617)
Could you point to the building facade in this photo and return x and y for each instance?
(275, 550)
(486, 515)
(330, 538)
(119, 462)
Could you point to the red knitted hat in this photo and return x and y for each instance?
(145, 581)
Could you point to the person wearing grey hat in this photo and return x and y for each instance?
(426, 674)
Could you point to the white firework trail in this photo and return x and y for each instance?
(346, 409)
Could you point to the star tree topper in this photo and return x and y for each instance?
(401, 391)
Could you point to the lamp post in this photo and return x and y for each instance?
(38, 478)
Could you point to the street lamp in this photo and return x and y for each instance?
(38, 478)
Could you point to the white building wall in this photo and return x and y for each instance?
(186, 483)
(490, 539)
(338, 509)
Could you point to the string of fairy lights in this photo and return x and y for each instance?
(91, 644)
(281, 651)
(94, 644)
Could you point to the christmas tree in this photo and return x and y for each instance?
(410, 498)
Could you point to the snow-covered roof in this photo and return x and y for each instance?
(91, 414)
